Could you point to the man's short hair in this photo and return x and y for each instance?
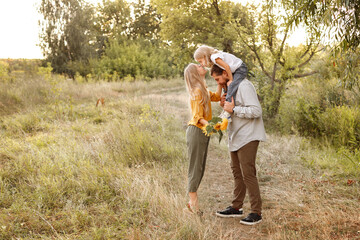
(215, 69)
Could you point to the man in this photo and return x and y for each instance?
(245, 131)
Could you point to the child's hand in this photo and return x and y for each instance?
(229, 82)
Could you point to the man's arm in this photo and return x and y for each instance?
(251, 107)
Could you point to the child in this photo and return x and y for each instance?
(234, 66)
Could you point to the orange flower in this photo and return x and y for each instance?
(224, 124)
(204, 130)
(217, 126)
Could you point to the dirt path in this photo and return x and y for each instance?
(297, 201)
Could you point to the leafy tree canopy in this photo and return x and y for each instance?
(343, 16)
(66, 32)
(187, 24)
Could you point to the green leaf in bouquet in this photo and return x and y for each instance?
(220, 136)
(215, 120)
(209, 128)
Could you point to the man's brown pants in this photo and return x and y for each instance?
(244, 171)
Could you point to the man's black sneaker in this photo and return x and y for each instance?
(230, 212)
(251, 219)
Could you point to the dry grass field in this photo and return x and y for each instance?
(71, 170)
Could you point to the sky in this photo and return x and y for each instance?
(20, 31)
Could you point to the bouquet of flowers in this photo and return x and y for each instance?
(216, 125)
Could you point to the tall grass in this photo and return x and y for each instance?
(329, 116)
(71, 170)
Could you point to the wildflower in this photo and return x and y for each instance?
(224, 124)
(216, 125)
(204, 129)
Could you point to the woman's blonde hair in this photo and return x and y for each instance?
(194, 81)
(205, 52)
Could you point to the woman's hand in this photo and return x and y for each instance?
(203, 122)
(219, 89)
(229, 106)
(222, 100)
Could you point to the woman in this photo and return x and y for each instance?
(197, 142)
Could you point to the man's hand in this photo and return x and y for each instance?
(222, 100)
(229, 106)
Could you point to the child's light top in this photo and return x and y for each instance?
(233, 61)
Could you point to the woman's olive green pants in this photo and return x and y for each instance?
(197, 145)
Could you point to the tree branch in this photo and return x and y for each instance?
(308, 60)
(283, 42)
(253, 49)
(273, 75)
(282, 63)
(305, 74)
(259, 60)
(306, 51)
(216, 6)
(269, 35)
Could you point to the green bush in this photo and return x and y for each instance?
(268, 94)
(321, 109)
(307, 118)
(298, 115)
(4, 71)
(45, 72)
(29, 67)
(341, 125)
(138, 59)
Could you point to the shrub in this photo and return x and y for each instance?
(4, 71)
(321, 118)
(138, 59)
(341, 125)
(321, 108)
(45, 71)
(268, 94)
(307, 118)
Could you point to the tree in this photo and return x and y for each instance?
(112, 21)
(113, 18)
(342, 19)
(146, 23)
(265, 34)
(343, 16)
(119, 19)
(187, 24)
(66, 32)
(131, 46)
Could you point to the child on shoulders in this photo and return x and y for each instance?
(234, 66)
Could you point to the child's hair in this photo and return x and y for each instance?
(194, 81)
(205, 52)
